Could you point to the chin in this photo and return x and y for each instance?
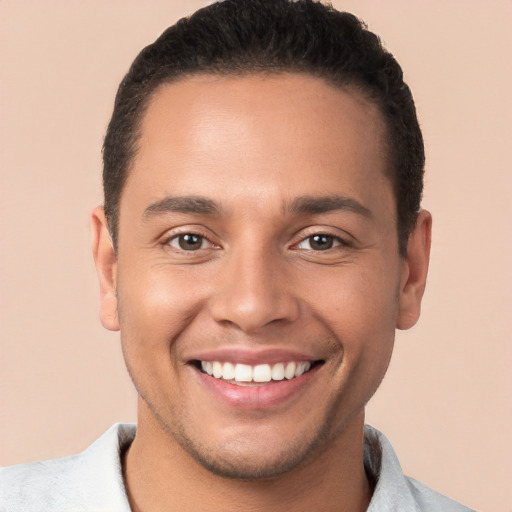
(240, 465)
(260, 458)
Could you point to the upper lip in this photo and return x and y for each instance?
(251, 357)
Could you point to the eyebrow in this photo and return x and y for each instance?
(303, 204)
(182, 204)
(326, 204)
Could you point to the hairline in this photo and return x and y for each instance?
(348, 84)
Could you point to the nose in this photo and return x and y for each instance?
(254, 290)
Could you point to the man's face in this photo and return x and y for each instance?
(257, 236)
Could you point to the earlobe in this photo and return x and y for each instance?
(106, 268)
(414, 272)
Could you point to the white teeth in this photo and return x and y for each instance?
(207, 367)
(302, 368)
(228, 372)
(262, 373)
(278, 371)
(289, 371)
(259, 373)
(243, 373)
(217, 369)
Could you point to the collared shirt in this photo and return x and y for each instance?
(92, 481)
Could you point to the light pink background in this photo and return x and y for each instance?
(446, 401)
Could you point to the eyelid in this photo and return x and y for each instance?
(173, 233)
(344, 240)
(337, 241)
(176, 238)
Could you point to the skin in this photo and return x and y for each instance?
(256, 146)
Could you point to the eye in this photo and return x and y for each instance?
(188, 242)
(319, 242)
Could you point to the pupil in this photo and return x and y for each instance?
(190, 242)
(321, 242)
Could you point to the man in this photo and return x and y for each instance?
(260, 241)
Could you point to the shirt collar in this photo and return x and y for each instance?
(381, 464)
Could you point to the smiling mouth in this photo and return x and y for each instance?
(244, 374)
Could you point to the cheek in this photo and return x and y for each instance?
(359, 305)
(156, 305)
(362, 316)
(358, 297)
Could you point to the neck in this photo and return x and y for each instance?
(160, 475)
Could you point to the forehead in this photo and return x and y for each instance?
(259, 135)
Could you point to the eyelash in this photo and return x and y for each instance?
(333, 240)
(176, 237)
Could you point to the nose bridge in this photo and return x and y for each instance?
(253, 290)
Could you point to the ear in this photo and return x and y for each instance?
(414, 272)
(106, 268)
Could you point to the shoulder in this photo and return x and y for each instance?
(430, 500)
(394, 490)
(40, 485)
(88, 481)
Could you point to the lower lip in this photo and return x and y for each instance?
(260, 396)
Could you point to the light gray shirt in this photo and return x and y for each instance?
(92, 481)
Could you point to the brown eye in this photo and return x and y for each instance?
(188, 242)
(320, 242)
